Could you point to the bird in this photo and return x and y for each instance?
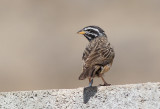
(98, 55)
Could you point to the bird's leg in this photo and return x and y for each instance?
(105, 83)
(90, 82)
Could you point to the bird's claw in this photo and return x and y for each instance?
(105, 84)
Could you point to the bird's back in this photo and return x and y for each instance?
(97, 55)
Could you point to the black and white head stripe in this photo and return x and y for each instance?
(95, 28)
(92, 32)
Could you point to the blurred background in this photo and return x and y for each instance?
(40, 47)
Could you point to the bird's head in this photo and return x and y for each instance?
(91, 32)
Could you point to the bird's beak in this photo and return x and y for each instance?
(81, 32)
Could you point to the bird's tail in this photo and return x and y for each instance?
(89, 72)
(82, 76)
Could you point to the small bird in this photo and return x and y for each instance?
(98, 55)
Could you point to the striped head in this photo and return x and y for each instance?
(91, 32)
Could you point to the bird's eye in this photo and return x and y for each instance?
(89, 30)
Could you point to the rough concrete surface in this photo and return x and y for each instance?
(131, 96)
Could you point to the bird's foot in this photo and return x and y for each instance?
(105, 84)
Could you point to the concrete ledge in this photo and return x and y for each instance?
(132, 96)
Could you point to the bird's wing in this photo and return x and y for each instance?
(101, 55)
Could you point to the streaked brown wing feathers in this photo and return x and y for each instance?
(100, 56)
(96, 55)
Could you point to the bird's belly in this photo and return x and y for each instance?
(105, 69)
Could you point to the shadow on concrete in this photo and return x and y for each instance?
(89, 92)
